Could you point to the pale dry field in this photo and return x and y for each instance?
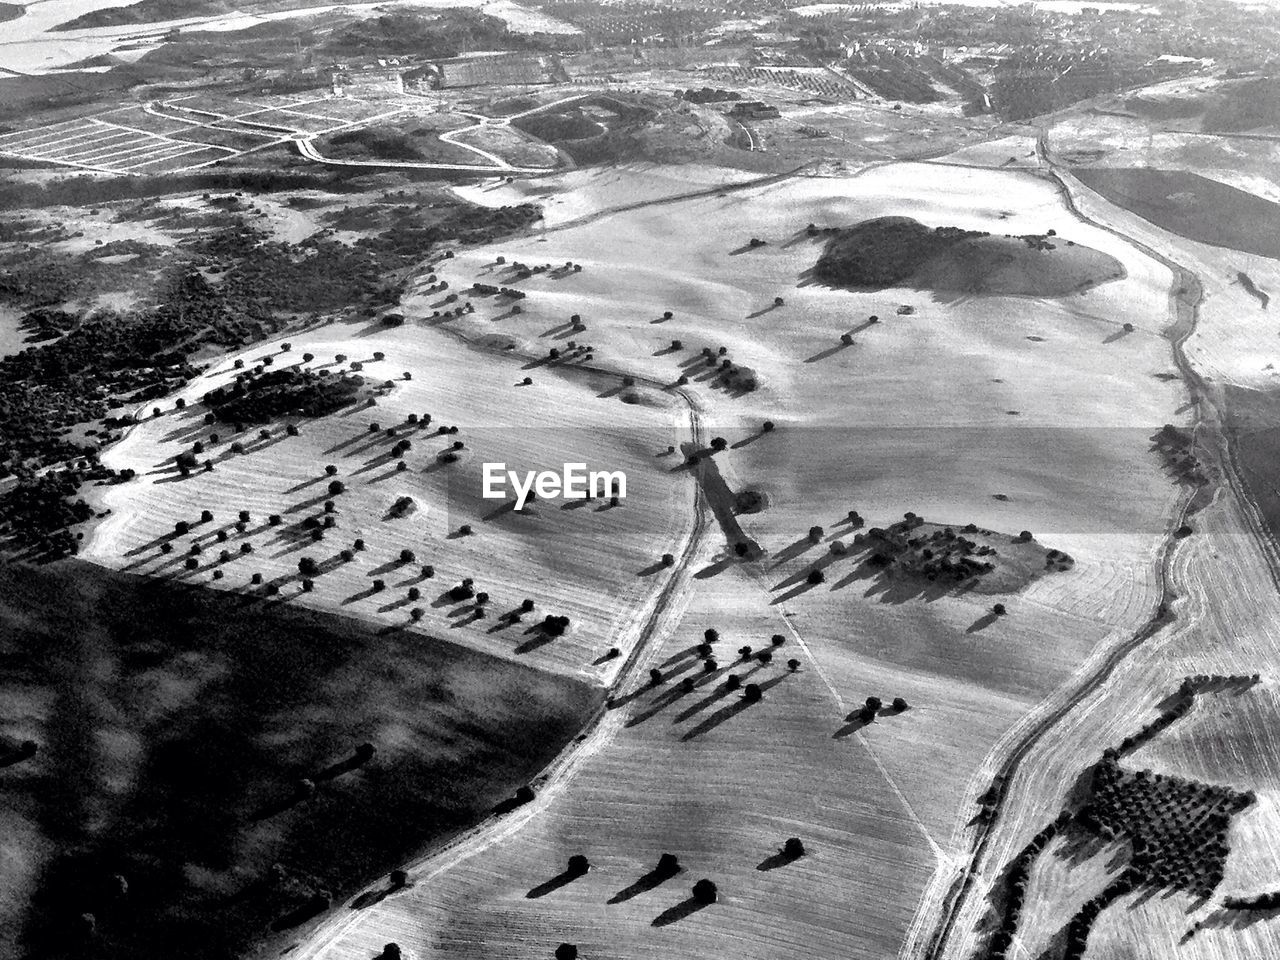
(580, 562)
(914, 415)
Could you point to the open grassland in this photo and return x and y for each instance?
(194, 781)
(1009, 413)
(578, 559)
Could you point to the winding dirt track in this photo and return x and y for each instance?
(1186, 294)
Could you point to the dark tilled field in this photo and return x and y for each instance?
(1192, 206)
(174, 727)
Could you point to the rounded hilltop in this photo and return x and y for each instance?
(902, 252)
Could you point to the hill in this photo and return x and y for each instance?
(900, 251)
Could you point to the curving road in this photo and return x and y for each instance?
(495, 164)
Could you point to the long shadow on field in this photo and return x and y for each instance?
(680, 911)
(728, 712)
(779, 859)
(555, 883)
(650, 881)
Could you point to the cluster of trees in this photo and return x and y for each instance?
(1178, 828)
(262, 397)
(883, 252)
(1176, 446)
(940, 555)
(37, 512)
(1262, 901)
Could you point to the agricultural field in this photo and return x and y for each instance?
(95, 144)
(976, 443)
(554, 556)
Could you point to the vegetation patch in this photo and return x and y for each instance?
(969, 555)
(900, 251)
(289, 391)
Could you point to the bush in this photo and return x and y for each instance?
(815, 577)
(704, 891)
(793, 848)
(579, 865)
(308, 567)
(407, 556)
(815, 534)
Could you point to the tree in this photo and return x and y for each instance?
(379, 586)
(711, 635)
(719, 443)
(815, 577)
(566, 951)
(873, 704)
(777, 640)
(899, 704)
(753, 693)
(668, 560)
(998, 610)
(655, 677)
(399, 878)
(336, 487)
(668, 864)
(767, 426)
(579, 865)
(308, 567)
(390, 952)
(793, 848)
(765, 657)
(331, 470)
(416, 614)
(815, 534)
(733, 682)
(744, 652)
(793, 665)
(407, 556)
(704, 891)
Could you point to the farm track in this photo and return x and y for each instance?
(1185, 312)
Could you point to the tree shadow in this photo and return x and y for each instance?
(774, 861)
(829, 352)
(855, 722)
(650, 881)
(728, 712)
(555, 883)
(680, 911)
(984, 621)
